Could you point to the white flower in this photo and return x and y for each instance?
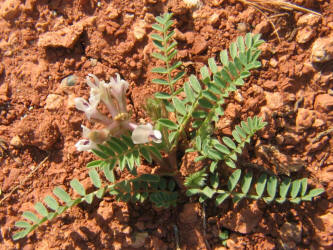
(118, 88)
(102, 89)
(145, 133)
(94, 137)
(85, 145)
(90, 108)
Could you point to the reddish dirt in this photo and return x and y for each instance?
(42, 42)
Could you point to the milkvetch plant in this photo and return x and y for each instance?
(184, 114)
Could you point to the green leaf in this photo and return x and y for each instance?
(160, 57)
(41, 209)
(224, 58)
(230, 163)
(225, 75)
(315, 192)
(227, 141)
(51, 203)
(167, 123)
(177, 77)
(21, 234)
(271, 186)
(223, 149)
(62, 194)
(157, 27)
(160, 70)
(157, 37)
(108, 172)
(233, 179)
(89, 198)
(214, 179)
(189, 92)
(221, 197)
(205, 103)
(260, 186)
(240, 44)
(160, 81)
(30, 216)
(145, 154)
(100, 154)
(212, 65)
(175, 65)
(22, 224)
(179, 106)
(284, 187)
(77, 186)
(236, 136)
(195, 83)
(94, 163)
(153, 150)
(304, 186)
(150, 178)
(295, 187)
(94, 176)
(161, 95)
(205, 74)
(233, 50)
(208, 192)
(248, 40)
(247, 179)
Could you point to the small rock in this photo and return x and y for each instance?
(324, 103)
(2, 68)
(65, 37)
(11, 179)
(189, 213)
(322, 50)
(139, 239)
(69, 81)
(200, 44)
(274, 100)
(53, 102)
(305, 34)
(308, 19)
(324, 229)
(291, 232)
(10, 9)
(192, 3)
(273, 62)
(243, 221)
(304, 119)
(262, 28)
(242, 27)
(16, 142)
(139, 30)
(213, 19)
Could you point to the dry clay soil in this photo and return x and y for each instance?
(43, 42)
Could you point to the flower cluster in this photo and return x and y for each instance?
(113, 95)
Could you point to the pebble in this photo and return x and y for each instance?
(322, 50)
(273, 62)
(304, 119)
(213, 19)
(262, 28)
(69, 81)
(308, 19)
(10, 9)
(242, 27)
(192, 3)
(53, 102)
(291, 232)
(274, 100)
(305, 34)
(65, 37)
(139, 30)
(324, 103)
(16, 142)
(189, 214)
(200, 44)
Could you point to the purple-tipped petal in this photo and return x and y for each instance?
(145, 133)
